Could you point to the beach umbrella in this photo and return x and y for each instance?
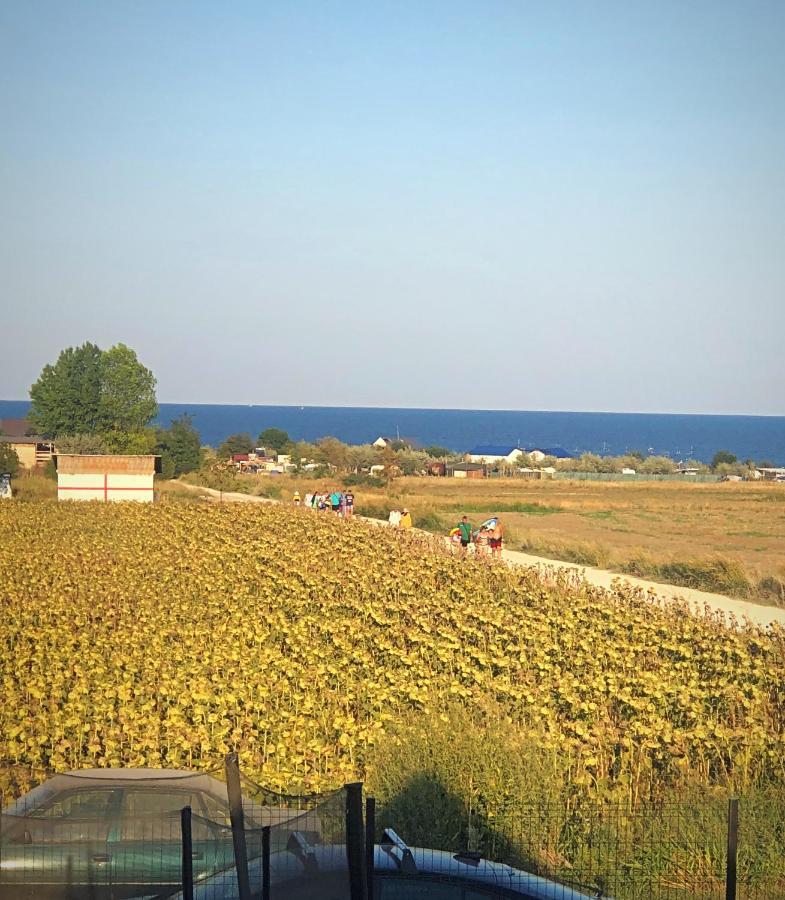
(490, 523)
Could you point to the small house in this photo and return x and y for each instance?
(106, 477)
(494, 453)
(466, 470)
(382, 442)
(31, 449)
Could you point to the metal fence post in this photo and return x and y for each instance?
(237, 819)
(355, 840)
(370, 842)
(733, 843)
(266, 862)
(188, 851)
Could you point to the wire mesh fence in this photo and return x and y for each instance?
(123, 834)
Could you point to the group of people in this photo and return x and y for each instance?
(400, 518)
(339, 502)
(486, 540)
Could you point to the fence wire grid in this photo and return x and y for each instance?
(113, 835)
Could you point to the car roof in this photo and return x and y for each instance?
(86, 779)
(424, 864)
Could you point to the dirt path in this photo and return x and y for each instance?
(741, 609)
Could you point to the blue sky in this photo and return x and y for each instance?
(524, 205)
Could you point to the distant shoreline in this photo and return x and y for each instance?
(680, 436)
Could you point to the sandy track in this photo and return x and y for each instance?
(699, 600)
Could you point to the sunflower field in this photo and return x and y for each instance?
(168, 635)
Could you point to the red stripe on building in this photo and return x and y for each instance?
(104, 488)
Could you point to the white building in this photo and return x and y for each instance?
(489, 453)
(106, 477)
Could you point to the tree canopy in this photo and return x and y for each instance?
(274, 439)
(180, 447)
(90, 392)
(66, 398)
(240, 443)
(723, 456)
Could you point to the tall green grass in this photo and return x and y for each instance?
(458, 778)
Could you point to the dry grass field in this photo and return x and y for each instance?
(724, 537)
(728, 538)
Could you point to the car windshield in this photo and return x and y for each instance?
(92, 804)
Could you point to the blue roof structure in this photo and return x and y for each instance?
(493, 450)
(558, 452)
(506, 449)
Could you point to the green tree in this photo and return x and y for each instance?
(723, 456)
(139, 442)
(360, 457)
(66, 398)
(180, 447)
(274, 439)
(9, 461)
(657, 465)
(334, 453)
(128, 401)
(90, 392)
(240, 443)
(81, 443)
(438, 452)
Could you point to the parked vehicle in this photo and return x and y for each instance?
(110, 834)
(304, 872)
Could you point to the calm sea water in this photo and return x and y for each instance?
(678, 436)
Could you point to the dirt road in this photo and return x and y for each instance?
(741, 609)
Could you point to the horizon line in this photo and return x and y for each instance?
(589, 412)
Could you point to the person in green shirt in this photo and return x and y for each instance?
(465, 528)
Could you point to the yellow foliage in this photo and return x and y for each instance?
(168, 635)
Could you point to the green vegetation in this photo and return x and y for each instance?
(108, 396)
(9, 461)
(275, 439)
(240, 443)
(529, 509)
(179, 447)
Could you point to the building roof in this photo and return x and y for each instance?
(493, 450)
(558, 452)
(18, 431)
(84, 464)
(467, 467)
(507, 449)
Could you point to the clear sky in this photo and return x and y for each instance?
(524, 205)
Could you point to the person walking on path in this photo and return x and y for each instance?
(465, 529)
(296, 498)
(335, 502)
(406, 519)
(496, 539)
(348, 499)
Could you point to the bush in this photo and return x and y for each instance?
(360, 480)
(717, 574)
(9, 461)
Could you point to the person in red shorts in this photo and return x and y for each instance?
(496, 539)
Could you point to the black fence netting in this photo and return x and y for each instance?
(664, 852)
(304, 851)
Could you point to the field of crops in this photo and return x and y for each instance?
(168, 635)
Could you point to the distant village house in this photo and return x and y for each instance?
(504, 454)
(31, 449)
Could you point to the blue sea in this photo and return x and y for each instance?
(677, 436)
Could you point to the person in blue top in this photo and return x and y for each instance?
(335, 502)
